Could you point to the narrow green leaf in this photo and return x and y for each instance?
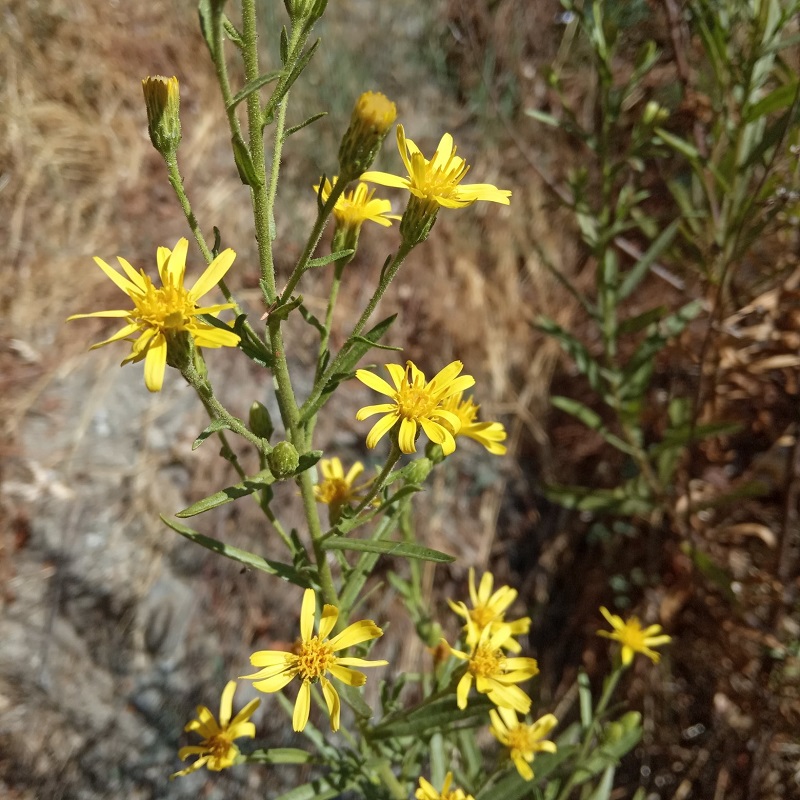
(215, 427)
(402, 549)
(280, 755)
(435, 717)
(311, 319)
(679, 145)
(634, 277)
(232, 33)
(288, 573)
(323, 260)
(640, 321)
(376, 345)
(209, 11)
(590, 419)
(577, 351)
(541, 116)
(585, 698)
(313, 118)
(246, 487)
(283, 311)
(353, 697)
(244, 163)
(777, 100)
(603, 789)
(253, 86)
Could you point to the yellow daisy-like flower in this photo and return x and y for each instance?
(313, 657)
(336, 488)
(522, 740)
(427, 792)
(488, 611)
(488, 434)
(633, 638)
(416, 403)
(495, 674)
(438, 180)
(159, 314)
(217, 750)
(357, 206)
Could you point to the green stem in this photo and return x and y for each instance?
(390, 781)
(310, 406)
(329, 594)
(313, 239)
(380, 481)
(591, 729)
(176, 181)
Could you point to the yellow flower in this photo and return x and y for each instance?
(217, 750)
(522, 740)
(160, 315)
(489, 434)
(427, 792)
(633, 638)
(357, 206)
(415, 404)
(438, 180)
(313, 657)
(337, 489)
(488, 610)
(495, 674)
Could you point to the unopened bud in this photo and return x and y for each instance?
(260, 421)
(163, 100)
(372, 117)
(654, 114)
(305, 12)
(283, 460)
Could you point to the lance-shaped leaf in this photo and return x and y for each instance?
(285, 571)
(280, 755)
(437, 716)
(220, 498)
(253, 86)
(403, 549)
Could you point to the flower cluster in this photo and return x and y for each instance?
(435, 407)
(488, 611)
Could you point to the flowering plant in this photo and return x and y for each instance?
(427, 723)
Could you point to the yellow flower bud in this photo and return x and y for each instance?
(372, 117)
(163, 100)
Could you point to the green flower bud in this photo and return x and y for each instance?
(260, 421)
(417, 471)
(372, 117)
(305, 12)
(163, 100)
(654, 114)
(283, 460)
(434, 452)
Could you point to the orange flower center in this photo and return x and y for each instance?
(167, 308)
(485, 662)
(334, 491)
(482, 616)
(632, 635)
(520, 738)
(415, 400)
(314, 659)
(437, 181)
